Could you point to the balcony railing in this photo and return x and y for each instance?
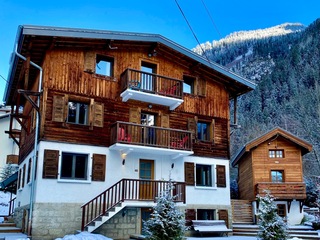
(151, 136)
(153, 88)
(283, 190)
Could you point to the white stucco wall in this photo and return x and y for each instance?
(8, 146)
(71, 191)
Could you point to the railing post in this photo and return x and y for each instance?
(83, 218)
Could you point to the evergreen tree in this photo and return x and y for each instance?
(166, 221)
(7, 171)
(272, 226)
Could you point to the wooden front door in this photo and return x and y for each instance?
(146, 189)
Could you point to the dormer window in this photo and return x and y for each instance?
(276, 154)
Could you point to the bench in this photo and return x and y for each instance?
(211, 226)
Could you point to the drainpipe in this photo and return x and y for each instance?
(35, 140)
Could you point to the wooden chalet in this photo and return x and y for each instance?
(273, 162)
(110, 115)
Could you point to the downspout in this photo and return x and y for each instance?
(35, 140)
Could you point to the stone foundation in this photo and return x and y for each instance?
(120, 226)
(52, 220)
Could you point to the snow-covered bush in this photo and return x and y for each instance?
(272, 226)
(166, 221)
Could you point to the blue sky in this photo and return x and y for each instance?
(150, 16)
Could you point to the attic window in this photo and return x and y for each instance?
(104, 65)
(188, 84)
(276, 154)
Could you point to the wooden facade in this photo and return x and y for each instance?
(149, 99)
(69, 74)
(272, 162)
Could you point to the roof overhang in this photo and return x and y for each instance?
(305, 146)
(35, 40)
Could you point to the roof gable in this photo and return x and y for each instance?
(305, 146)
(35, 40)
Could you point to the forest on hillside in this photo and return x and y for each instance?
(285, 65)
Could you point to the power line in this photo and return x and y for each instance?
(3, 78)
(215, 26)
(194, 35)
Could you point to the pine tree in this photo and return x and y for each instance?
(272, 226)
(166, 221)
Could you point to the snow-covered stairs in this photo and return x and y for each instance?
(101, 220)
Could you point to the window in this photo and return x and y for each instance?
(78, 113)
(276, 154)
(104, 65)
(277, 176)
(203, 131)
(203, 175)
(205, 214)
(74, 166)
(148, 133)
(29, 171)
(281, 210)
(188, 84)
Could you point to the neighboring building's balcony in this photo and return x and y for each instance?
(283, 191)
(130, 137)
(151, 88)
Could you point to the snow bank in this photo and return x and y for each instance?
(84, 236)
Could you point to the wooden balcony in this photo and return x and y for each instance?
(151, 88)
(129, 137)
(283, 191)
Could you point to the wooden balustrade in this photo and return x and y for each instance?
(151, 83)
(152, 136)
(289, 190)
(129, 190)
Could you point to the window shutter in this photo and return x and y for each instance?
(19, 178)
(189, 216)
(223, 215)
(201, 87)
(164, 139)
(189, 173)
(212, 135)
(221, 176)
(59, 109)
(98, 114)
(98, 167)
(50, 164)
(192, 126)
(89, 62)
(29, 171)
(134, 115)
(165, 123)
(23, 175)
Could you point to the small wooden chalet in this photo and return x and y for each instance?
(273, 162)
(107, 118)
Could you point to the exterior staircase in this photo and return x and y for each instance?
(302, 232)
(104, 218)
(104, 206)
(9, 231)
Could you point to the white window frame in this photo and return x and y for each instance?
(213, 183)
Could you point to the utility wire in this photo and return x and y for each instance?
(215, 26)
(194, 35)
(3, 78)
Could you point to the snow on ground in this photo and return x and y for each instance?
(84, 236)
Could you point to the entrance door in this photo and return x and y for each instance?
(146, 189)
(147, 79)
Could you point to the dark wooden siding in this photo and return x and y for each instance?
(64, 74)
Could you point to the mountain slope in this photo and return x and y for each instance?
(284, 62)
